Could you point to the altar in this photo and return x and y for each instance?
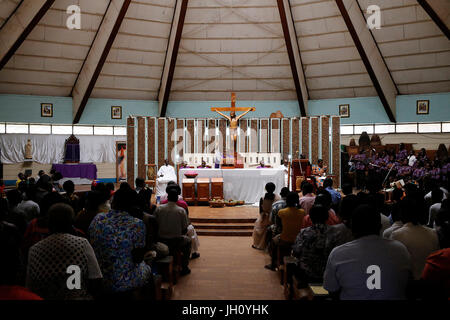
(242, 184)
(79, 173)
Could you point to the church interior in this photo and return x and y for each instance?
(224, 150)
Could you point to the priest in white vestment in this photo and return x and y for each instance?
(166, 173)
(285, 168)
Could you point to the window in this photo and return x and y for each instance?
(406, 128)
(429, 127)
(120, 131)
(83, 130)
(103, 131)
(62, 130)
(40, 129)
(346, 129)
(361, 129)
(385, 128)
(16, 128)
(446, 127)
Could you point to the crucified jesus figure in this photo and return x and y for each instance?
(233, 119)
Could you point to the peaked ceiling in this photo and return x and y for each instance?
(245, 46)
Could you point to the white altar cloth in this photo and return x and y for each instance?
(242, 184)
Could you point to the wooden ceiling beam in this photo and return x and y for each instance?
(171, 55)
(370, 55)
(19, 26)
(290, 37)
(97, 55)
(439, 12)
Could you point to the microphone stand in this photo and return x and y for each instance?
(389, 172)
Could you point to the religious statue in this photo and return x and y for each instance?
(233, 119)
(28, 150)
(276, 115)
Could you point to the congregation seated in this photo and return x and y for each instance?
(349, 268)
(323, 198)
(49, 261)
(263, 221)
(190, 229)
(312, 247)
(335, 195)
(118, 240)
(74, 200)
(418, 239)
(292, 222)
(276, 225)
(172, 229)
(307, 199)
(342, 231)
(12, 267)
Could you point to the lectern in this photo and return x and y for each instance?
(301, 170)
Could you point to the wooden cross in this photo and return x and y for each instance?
(233, 106)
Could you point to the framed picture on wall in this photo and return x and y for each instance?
(423, 107)
(344, 110)
(116, 112)
(46, 110)
(121, 161)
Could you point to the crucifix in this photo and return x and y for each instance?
(233, 119)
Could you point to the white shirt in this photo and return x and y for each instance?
(420, 242)
(168, 173)
(411, 160)
(434, 209)
(388, 232)
(347, 267)
(385, 223)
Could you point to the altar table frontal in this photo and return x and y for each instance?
(77, 172)
(242, 184)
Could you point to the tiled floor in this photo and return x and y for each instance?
(229, 269)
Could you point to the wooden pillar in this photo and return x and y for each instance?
(171, 141)
(275, 136)
(314, 140)
(336, 151)
(243, 143)
(211, 135)
(325, 136)
(190, 136)
(180, 137)
(223, 135)
(264, 134)
(161, 141)
(151, 140)
(130, 150)
(201, 125)
(286, 138)
(141, 147)
(295, 137)
(305, 137)
(253, 135)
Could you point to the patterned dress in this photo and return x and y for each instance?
(113, 236)
(312, 248)
(317, 172)
(49, 260)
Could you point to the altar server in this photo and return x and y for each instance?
(166, 173)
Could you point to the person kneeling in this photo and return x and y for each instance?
(172, 228)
